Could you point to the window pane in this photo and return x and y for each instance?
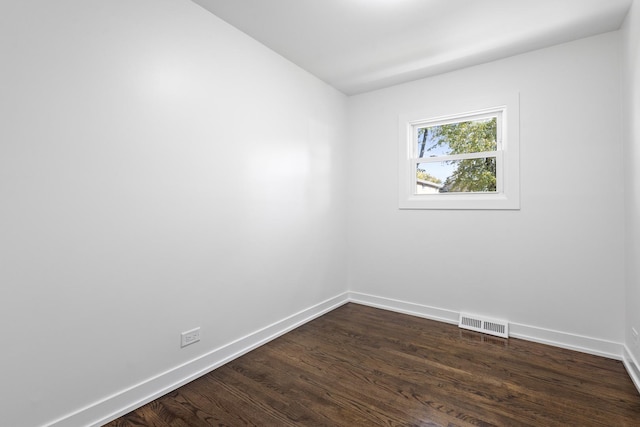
(472, 136)
(457, 176)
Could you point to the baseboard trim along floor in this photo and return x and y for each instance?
(632, 367)
(116, 405)
(566, 340)
(120, 403)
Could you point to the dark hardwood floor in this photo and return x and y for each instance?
(360, 366)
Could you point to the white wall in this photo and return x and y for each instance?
(554, 265)
(159, 171)
(631, 64)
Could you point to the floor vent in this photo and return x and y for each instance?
(495, 327)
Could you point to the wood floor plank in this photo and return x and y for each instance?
(384, 383)
(361, 366)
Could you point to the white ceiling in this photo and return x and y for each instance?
(362, 45)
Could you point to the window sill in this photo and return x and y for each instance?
(460, 202)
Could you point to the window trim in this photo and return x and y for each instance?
(507, 195)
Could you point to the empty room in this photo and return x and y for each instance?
(319, 212)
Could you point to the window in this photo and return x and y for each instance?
(460, 161)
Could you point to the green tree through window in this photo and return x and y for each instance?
(474, 136)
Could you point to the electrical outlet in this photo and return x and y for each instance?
(189, 337)
(634, 334)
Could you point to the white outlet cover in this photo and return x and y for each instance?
(189, 337)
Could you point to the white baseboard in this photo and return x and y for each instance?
(425, 311)
(120, 403)
(583, 344)
(116, 405)
(566, 340)
(632, 367)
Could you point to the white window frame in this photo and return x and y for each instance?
(507, 194)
